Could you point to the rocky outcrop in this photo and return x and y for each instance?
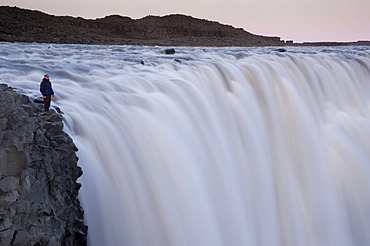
(20, 25)
(38, 173)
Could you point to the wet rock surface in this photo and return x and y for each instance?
(38, 173)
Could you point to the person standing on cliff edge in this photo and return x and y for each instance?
(46, 91)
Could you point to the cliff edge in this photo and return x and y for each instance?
(38, 173)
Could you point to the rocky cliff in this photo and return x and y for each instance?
(20, 25)
(38, 173)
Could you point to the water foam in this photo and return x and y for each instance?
(231, 146)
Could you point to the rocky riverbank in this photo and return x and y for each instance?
(38, 173)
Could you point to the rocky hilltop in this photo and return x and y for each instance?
(38, 173)
(21, 25)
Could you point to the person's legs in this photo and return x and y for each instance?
(47, 101)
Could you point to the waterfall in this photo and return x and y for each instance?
(227, 148)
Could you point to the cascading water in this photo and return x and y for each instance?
(227, 146)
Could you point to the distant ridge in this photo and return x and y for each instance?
(22, 25)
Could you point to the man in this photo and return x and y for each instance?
(46, 91)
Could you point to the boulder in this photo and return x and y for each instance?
(169, 51)
(281, 50)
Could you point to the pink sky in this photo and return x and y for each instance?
(298, 20)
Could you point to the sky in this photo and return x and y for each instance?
(297, 20)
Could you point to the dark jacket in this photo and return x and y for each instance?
(45, 88)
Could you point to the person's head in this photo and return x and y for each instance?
(46, 76)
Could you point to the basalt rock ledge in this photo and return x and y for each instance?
(38, 173)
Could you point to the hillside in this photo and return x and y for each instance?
(21, 25)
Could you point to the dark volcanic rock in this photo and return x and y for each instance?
(38, 173)
(20, 25)
(169, 51)
(281, 50)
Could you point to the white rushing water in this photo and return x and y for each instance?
(212, 146)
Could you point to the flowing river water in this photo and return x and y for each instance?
(212, 146)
